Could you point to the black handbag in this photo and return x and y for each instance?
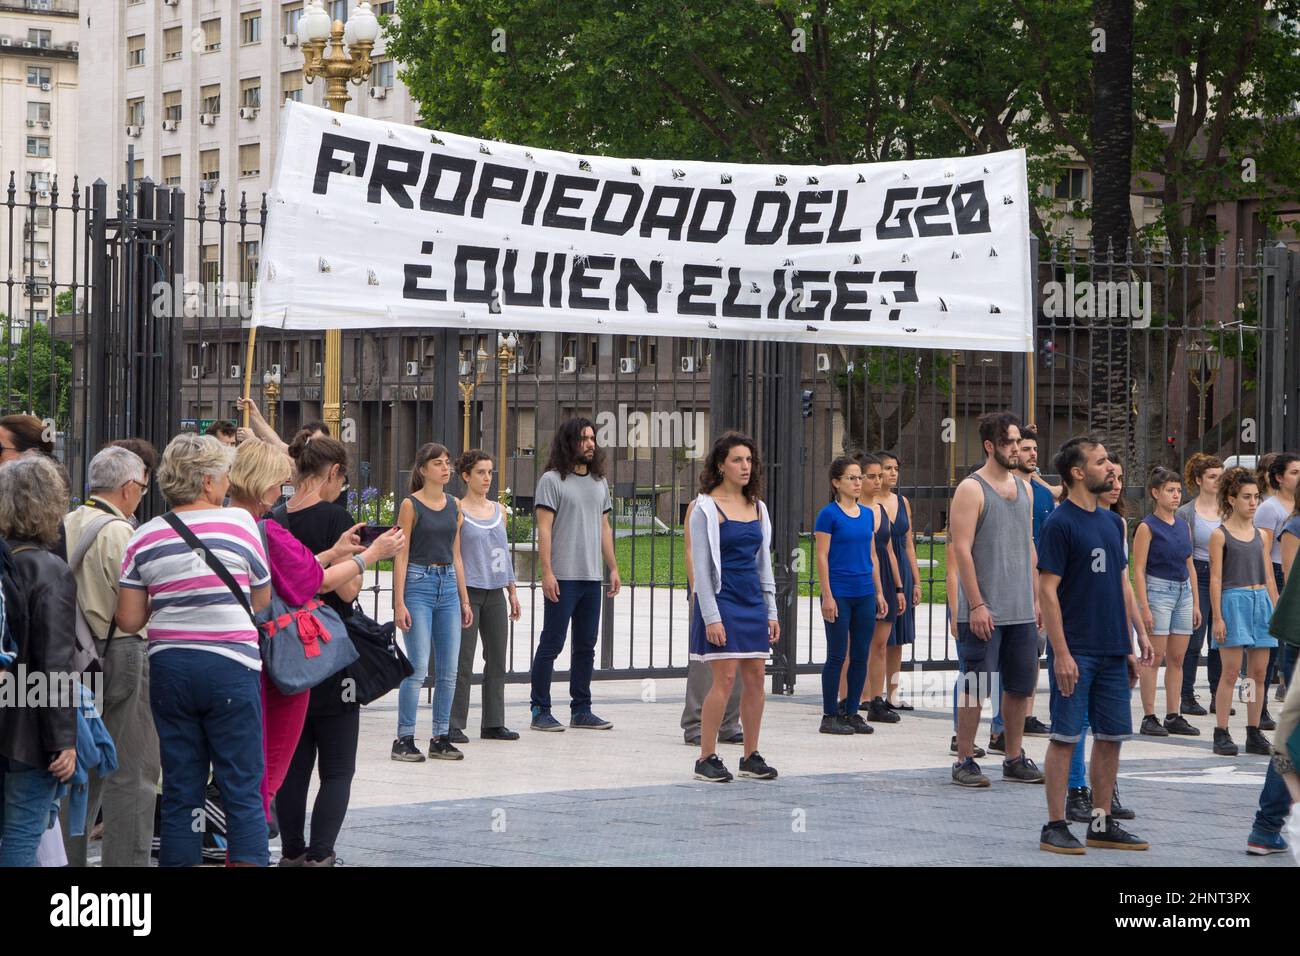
(380, 666)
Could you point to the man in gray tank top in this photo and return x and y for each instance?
(992, 544)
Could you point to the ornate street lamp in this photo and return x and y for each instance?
(473, 373)
(507, 342)
(348, 61)
(271, 393)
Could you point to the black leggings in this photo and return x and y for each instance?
(334, 737)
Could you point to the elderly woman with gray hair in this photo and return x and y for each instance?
(37, 744)
(204, 663)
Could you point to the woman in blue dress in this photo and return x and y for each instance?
(733, 610)
(903, 632)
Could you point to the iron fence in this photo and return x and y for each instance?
(1205, 355)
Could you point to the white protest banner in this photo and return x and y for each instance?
(375, 224)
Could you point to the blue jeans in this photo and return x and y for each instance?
(208, 711)
(1275, 798)
(849, 633)
(26, 797)
(1079, 769)
(433, 601)
(579, 603)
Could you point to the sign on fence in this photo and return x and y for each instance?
(379, 224)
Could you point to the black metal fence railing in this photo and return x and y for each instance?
(1201, 351)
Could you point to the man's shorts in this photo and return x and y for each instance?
(1101, 694)
(1011, 653)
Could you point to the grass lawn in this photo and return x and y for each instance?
(660, 559)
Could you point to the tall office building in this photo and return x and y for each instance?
(194, 87)
(38, 136)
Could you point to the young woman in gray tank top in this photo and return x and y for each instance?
(485, 554)
(1242, 593)
(430, 602)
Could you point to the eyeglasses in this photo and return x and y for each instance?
(144, 485)
(10, 448)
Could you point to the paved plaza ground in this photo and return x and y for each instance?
(627, 796)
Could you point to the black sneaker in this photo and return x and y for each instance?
(1180, 726)
(1078, 805)
(1223, 745)
(1117, 810)
(1232, 711)
(1266, 722)
(712, 770)
(1021, 770)
(440, 748)
(879, 713)
(998, 743)
(1256, 742)
(1105, 834)
(835, 724)
(755, 766)
(404, 749)
(457, 736)
(501, 733)
(902, 706)
(859, 725)
(1151, 727)
(978, 752)
(1036, 728)
(1057, 838)
(1191, 706)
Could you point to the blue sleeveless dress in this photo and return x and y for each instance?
(904, 631)
(884, 541)
(740, 602)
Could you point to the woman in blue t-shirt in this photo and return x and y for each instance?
(852, 599)
(1164, 582)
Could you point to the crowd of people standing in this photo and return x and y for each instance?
(170, 605)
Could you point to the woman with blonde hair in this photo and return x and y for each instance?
(297, 575)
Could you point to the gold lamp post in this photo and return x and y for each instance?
(473, 373)
(271, 392)
(506, 344)
(348, 61)
(1203, 363)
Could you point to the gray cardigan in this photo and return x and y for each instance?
(707, 559)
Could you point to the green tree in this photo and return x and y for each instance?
(37, 372)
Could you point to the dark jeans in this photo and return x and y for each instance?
(334, 738)
(580, 603)
(1275, 798)
(26, 796)
(1274, 654)
(1199, 638)
(208, 711)
(849, 633)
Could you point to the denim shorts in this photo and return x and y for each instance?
(1171, 606)
(1101, 696)
(1246, 612)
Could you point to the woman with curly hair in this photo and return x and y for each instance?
(1242, 595)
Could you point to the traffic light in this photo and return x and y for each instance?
(1048, 352)
(806, 399)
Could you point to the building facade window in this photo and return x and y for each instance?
(38, 146)
(250, 159)
(173, 43)
(38, 76)
(38, 114)
(210, 164)
(212, 35)
(135, 50)
(210, 97)
(250, 27)
(171, 169)
(291, 85)
(172, 108)
(250, 92)
(290, 16)
(382, 74)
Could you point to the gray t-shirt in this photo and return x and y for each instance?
(1272, 516)
(580, 503)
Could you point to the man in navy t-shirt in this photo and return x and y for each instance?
(1087, 604)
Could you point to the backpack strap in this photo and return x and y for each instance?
(88, 536)
(280, 515)
(213, 562)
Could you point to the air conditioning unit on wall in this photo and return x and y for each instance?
(569, 364)
(627, 365)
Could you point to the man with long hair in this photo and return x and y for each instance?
(573, 535)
